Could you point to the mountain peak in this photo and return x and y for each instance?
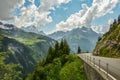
(7, 26)
(85, 37)
(33, 29)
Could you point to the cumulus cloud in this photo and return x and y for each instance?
(26, 17)
(87, 15)
(100, 28)
(63, 1)
(6, 8)
(110, 21)
(38, 16)
(103, 28)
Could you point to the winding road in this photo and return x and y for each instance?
(109, 65)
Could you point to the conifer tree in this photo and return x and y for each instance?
(66, 48)
(115, 22)
(59, 50)
(79, 50)
(119, 19)
(49, 57)
(56, 49)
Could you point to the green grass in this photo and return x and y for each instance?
(1, 38)
(29, 41)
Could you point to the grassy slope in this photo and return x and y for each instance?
(17, 53)
(37, 43)
(29, 41)
(25, 47)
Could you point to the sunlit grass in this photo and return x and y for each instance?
(29, 41)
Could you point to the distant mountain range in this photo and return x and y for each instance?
(24, 48)
(84, 37)
(58, 35)
(32, 29)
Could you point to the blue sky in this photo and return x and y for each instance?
(54, 15)
(63, 12)
(104, 19)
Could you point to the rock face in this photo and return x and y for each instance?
(109, 44)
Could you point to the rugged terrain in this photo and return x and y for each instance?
(23, 48)
(84, 37)
(109, 44)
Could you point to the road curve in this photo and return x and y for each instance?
(113, 63)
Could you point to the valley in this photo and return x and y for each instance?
(59, 39)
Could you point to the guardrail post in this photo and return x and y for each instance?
(107, 69)
(94, 61)
(90, 59)
(87, 58)
(99, 64)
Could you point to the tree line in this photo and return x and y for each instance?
(59, 64)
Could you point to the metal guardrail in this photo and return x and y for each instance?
(106, 68)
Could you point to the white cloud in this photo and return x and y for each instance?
(32, 1)
(38, 16)
(6, 8)
(110, 21)
(103, 28)
(63, 1)
(84, 0)
(26, 17)
(87, 15)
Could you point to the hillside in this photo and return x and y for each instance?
(23, 48)
(39, 44)
(109, 44)
(16, 53)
